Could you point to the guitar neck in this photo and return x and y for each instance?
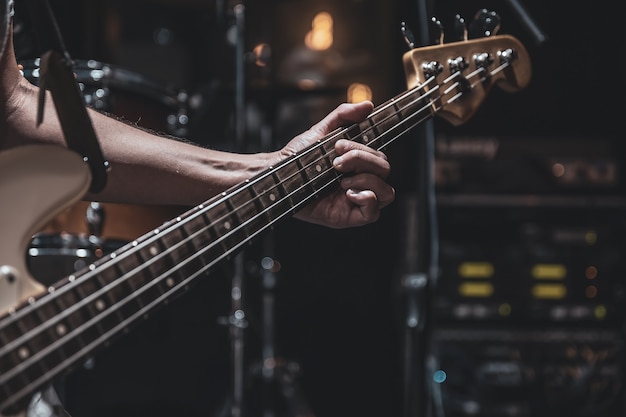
(49, 334)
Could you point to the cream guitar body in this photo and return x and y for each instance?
(36, 183)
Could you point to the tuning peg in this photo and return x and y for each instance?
(409, 38)
(485, 23)
(460, 27)
(439, 28)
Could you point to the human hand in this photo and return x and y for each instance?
(363, 190)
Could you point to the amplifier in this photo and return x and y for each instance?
(538, 165)
(553, 372)
(531, 263)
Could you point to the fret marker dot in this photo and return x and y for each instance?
(61, 329)
(227, 225)
(366, 138)
(92, 267)
(153, 250)
(23, 353)
(31, 300)
(272, 197)
(100, 305)
(113, 255)
(318, 168)
(169, 282)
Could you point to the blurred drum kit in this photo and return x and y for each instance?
(88, 230)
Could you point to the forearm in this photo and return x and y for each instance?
(144, 167)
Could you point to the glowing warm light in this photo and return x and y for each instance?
(307, 84)
(476, 289)
(261, 54)
(591, 272)
(320, 37)
(558, 170)
(549, 271)
(359, 92)
(549, 291)
(476, 270)
(591, 291)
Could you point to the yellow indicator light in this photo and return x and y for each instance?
(504, 309)
(476, 270)
(549, 271)
(476, 289)
(600, 312)
(553, 291)
(591, 237)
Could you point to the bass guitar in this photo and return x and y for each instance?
(46, 331)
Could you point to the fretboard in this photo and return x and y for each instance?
(83, 312)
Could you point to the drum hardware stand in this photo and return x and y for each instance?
(237, 320)
(276, 373)
(420, 257)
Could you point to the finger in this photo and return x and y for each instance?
(342, 115)
(385, 194)
(367, 204)
(362, 159)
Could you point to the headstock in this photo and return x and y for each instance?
(461, 73)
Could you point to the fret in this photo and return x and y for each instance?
(314, 164)
(354, 133)
(241, 206)
(159, 261)
(271, 200)
(385, 120)
(66, 301)
(147, 292)
(235, 237)
(256, 217)
(177, 243)
(290, 179)
(368, 136)
(222, 223)
(39, 336)
(131, 267)
(130, 281)
(28, 320)
(115, 291)
(251, 190)
(89, 286)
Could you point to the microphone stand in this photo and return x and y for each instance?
(237, 320)
(420, 263)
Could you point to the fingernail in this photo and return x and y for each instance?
(337, 161)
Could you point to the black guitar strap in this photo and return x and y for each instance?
(57, 76)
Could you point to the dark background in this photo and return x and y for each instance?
(338, 312)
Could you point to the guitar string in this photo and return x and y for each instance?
(368, 129)
(339, 134)
(113, 308)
